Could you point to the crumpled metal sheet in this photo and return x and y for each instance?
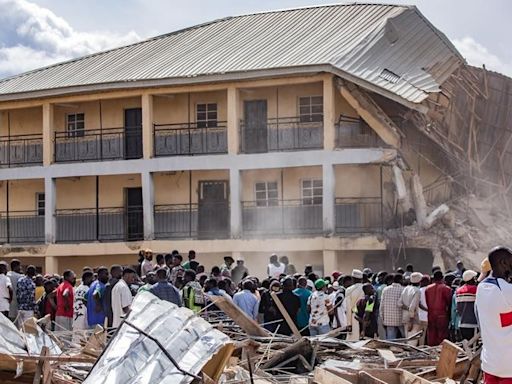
(11, 340)
(131, 357)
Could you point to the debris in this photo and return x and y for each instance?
(448, 360)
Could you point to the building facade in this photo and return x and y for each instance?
(273, 160)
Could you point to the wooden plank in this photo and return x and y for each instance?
(387, 355)
(447, 359)
(251, 327)
(286, 316)
(324, 376)
(39, 368)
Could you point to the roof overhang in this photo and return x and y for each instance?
(214, 78)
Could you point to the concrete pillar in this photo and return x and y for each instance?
(148, 202)
(51, 265)
(48, 133)
(147, 125)
(328, 204)
(330, 261)
(233, 120)
(235, 194)
(50, 196)
(329, 112)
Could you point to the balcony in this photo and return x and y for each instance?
(99, 224)
(355, 133)
(359, 214)
(281, 217)
(280, 134)
(98, 144)
(208, 220)
(21, 150)
(21, 227)
(187, 139)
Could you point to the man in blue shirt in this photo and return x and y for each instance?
(26, 296)
(165, 290)
(247, 301)
(96, 299)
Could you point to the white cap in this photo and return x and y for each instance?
(336, 285)
(469, 275)
(310, 284)
(416, 277)
(357, 274)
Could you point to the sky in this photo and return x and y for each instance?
(37, 33)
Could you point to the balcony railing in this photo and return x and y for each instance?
(21, 227)
(99, 144)
(359, 214)
(281, 217)
(103, 224)
(192, 221)
(280, 134)
(355, 133)
(438, 192)
(190, 139)
(21, 150)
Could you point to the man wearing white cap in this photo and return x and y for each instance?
(465, 297)
(410, 303)
(353, 294)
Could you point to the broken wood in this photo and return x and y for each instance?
(448, 359)
(251, 327)
(286, 316)
(39, 368)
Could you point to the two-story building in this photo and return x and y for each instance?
(261, 133)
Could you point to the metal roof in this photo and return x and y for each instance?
(391, 48)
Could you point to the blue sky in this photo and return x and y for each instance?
(41, 32)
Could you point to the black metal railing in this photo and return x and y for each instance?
(98, 144)
(355, 133)
(103, 224)
(21, 227)
(281, 134)
(206, 220)
(281, 217)
(21, 150)
(438, 192)
(359, 214)
(190, 139)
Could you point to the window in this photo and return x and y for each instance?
(206, 115)
(75, 124)
(311, 109)
(311, 192)
(266, 194)
(40, 204)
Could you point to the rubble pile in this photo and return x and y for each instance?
(214, 347)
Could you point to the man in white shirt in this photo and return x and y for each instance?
(410, 303)
(147, 264)
(14, 275)
(423, 310)
(352, 296)
(5, 290)
(494, 309)
(122, 297)
(275, 268)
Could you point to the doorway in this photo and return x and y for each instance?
(134, 214)
(133, 133)
(213, 210)
(255, 129)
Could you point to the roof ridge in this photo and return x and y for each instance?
(196, 26)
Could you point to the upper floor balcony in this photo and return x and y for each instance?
(356, 133)
(21, 150)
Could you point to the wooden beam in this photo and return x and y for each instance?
(370, 112)
(239, 317)
(447, 360)
(286, 316)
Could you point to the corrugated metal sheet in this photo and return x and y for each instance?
(361, 40)
(131, 357)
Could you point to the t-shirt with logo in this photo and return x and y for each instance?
(320, 304)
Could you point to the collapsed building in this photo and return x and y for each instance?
(337, 135)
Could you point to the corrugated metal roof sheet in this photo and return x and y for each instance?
(360, 40)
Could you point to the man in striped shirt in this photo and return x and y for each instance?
(465, 297)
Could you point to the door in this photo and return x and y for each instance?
(133, 133)
(213, 220)
(255, 128)
(134, 216)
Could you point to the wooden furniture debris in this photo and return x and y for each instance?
(246, 323)
(448, 360)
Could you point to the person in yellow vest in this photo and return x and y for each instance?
(365, 314)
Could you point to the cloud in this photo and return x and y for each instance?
(476, 54)
(32, 36)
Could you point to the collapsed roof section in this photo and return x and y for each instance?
(388, 49)
(133, 356)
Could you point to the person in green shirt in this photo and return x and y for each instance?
(303, 315)
(191, 256)
(150, 279)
